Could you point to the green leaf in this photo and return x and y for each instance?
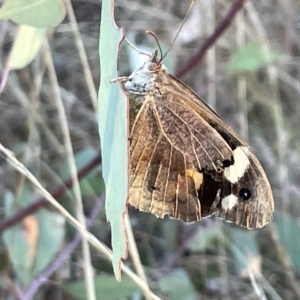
(113, 129)
(288, 231)
(245, 251)
(107, 288)
(177, 286)
(51, 234)
(26, 46)
(92, 184)
(33, 243)
(206, 237)
(250, 58)
(36, 13)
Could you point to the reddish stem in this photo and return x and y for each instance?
(220, 29)
(42, 202)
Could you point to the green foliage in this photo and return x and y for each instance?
(92, 184)
(244, 249)
(33, 16)
(26, 45)
(250, 58)
(288, 231)
(37, 13)
(32, 244)
(113, 127)
(206, 237)
(176, 286)
(106, 286)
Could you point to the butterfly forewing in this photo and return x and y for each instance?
(185, 161)
(158, 172)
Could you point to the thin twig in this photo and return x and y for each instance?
(211, 54)
(134, 253)
(241, 81)
(82, 55)
(223, 25)
(42, 202)
(88, 270)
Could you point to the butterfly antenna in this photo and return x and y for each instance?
(182, 23)
(135, 48)
(157, 42)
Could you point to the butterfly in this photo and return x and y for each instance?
(185, 161)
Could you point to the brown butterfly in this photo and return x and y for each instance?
(185, 161)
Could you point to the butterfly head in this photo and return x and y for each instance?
(142, 81)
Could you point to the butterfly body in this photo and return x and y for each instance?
(185, 161)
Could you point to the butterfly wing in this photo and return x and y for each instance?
(158, 180)
(245, 196)
(185, 161)
(183, 166)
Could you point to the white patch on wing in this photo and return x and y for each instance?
(241, 163)
(229, 202)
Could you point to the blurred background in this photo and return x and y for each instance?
(251, 77)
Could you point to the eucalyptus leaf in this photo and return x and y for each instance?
(245, 251)
(92, 184)
(37, 13)
(176, 286)
(205, 238)
(26, 45)
(106, 286)
(113, 129)
(250, 58)
(34, 242)
(288, 231)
